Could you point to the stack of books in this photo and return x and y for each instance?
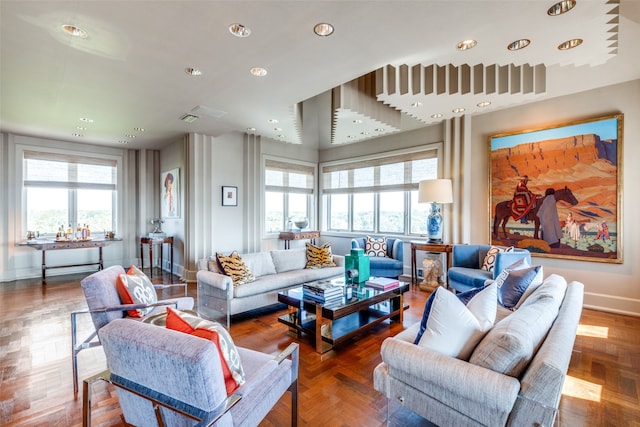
(382, 283)
(323, 291)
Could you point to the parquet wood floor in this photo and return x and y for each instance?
(602, 389)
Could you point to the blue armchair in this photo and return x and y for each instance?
(389, 266)
(465, 272)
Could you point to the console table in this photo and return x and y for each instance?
(52, 245)
(288, 236)
(428, 247)
(145, 240)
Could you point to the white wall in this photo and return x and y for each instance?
(610, 287)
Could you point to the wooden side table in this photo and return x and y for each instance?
(428, 247)
(144, 240)
(288, 236)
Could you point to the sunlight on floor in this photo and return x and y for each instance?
(581, 389)
(593, 331)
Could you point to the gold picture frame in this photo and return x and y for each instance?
(557, 190)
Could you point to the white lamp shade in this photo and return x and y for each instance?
(435, 191)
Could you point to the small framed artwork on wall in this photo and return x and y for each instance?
(229, 196)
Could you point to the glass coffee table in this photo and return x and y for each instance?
(336, 322)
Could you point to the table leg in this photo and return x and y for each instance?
(414, 269)
(171, 245)
(44, 268)
(141, 256)
(161, 262)
(321, 346)
(101, 265)
(151, 259)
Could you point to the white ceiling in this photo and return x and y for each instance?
(130, 70)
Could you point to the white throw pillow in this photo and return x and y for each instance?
(454, 329)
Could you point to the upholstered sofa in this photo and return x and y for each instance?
(466, 270)
(390, 265)
(513, 377)
(274, 271)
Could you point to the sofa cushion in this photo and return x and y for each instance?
(232, 370)
(511, 344)
(134, 287)
(514, 280)
(259, 263)
(319, 257)
(235, 268)
(454, 329)
(490, 259)
(375, 247)
(289, 259)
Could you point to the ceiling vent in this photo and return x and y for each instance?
(189, 118)
(204, 111)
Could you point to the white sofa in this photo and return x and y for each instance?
(274, 271)
(514, 376)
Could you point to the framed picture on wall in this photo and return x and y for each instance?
(557, 190)
(170, 197)
(229, 196)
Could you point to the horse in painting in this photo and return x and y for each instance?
(503, 211)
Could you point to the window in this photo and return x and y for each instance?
(289, 189)
(65, 191)
(378, 195)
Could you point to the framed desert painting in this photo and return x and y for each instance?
(557, 191)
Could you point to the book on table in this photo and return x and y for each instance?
(323, 288)
(327, 301)
(383, 283)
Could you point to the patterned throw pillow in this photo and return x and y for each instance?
(232, 370)
(375, 247)
(235, 268)
(136, 288)
(490, 258)
(319, 257)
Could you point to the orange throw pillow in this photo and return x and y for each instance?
(232, 369)
(136, 288)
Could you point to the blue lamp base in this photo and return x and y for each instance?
(434, 224)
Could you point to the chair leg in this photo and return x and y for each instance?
(294, 403)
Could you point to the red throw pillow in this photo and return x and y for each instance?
(232, 370)
(136, 288)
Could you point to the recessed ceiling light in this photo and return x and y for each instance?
(130, 136)
(416, 104)
(86, 120)
(484, 104)
(458, 110)
(74, 31)
(273, 120)
(251, 129)
(436, 116)
(561, 7)
(357, 121)
(467, 44)
(364, 133)
(280, 136)
(351, 136)
(570, 44)
(77, 134)
(123, 141)
(239, 30)
(277, 129)
(519, 44)
(193, 72)
(257, 71)
(81, 128)
(323, 29)
(379, 129)
(139, 129)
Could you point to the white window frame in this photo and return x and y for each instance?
(377, 159)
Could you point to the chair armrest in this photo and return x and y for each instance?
(292, 351)
(447, 376)
(172, 285)
(223, 284)
(505, 259)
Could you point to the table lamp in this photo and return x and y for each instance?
(435, 191)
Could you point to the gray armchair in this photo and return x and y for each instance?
(166, 377)
(104, 305)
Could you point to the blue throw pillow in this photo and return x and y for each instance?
(464, 297)
(513, 283)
